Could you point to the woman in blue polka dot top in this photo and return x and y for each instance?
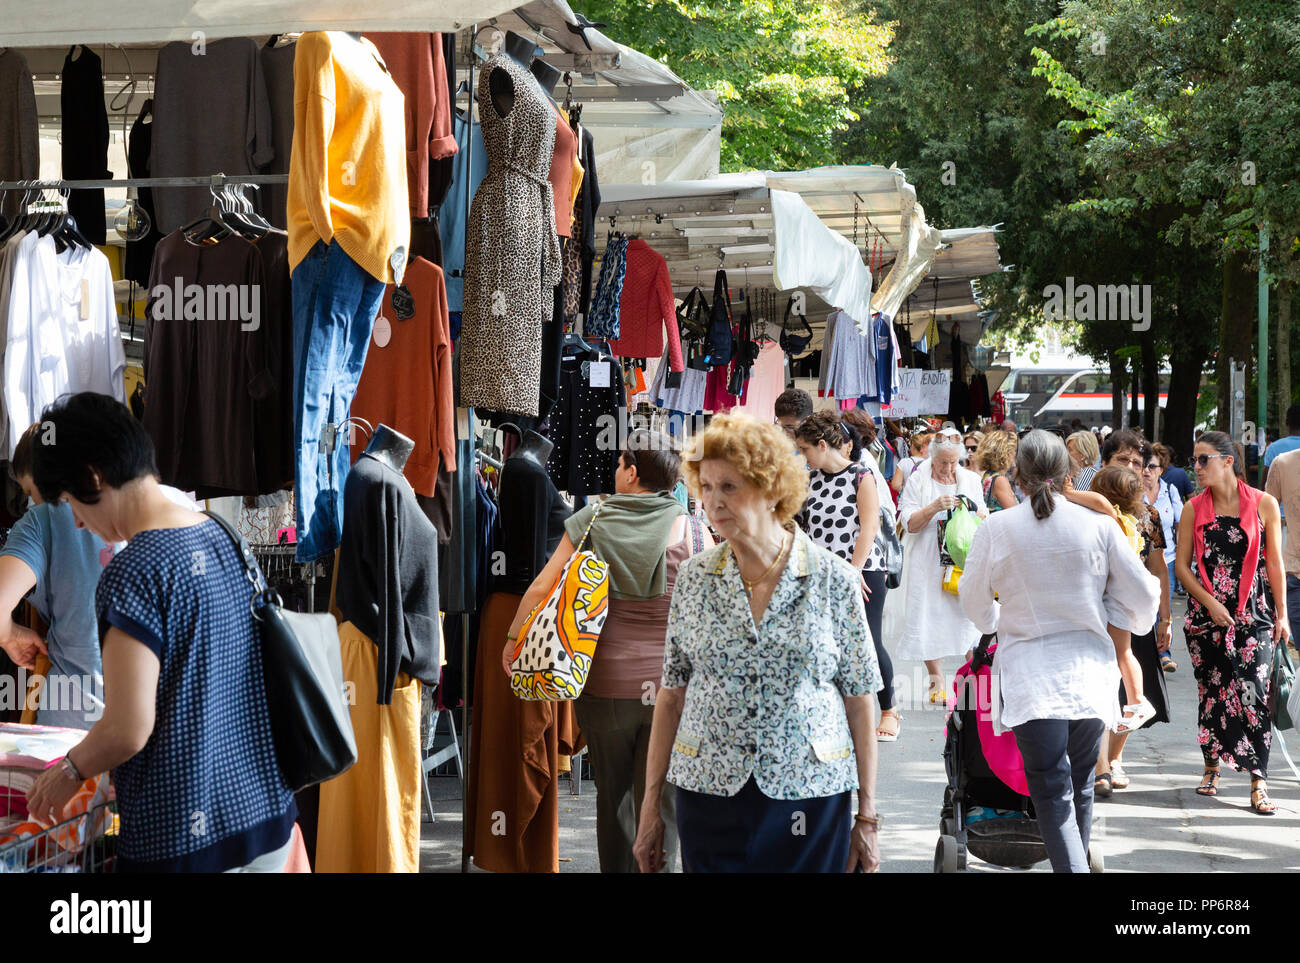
(185, 728)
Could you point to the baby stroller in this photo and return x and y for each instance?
(986, 811)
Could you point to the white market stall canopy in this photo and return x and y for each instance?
(727, 222)
(950, 292)
(58, 23)
(645, 119)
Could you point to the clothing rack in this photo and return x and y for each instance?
(209, 180)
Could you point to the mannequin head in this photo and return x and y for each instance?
(391, 447)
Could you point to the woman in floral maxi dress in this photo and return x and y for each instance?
(1229, 560)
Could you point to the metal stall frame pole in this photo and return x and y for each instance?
(1262, 377)
(465, 692)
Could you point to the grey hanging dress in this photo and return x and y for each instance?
(512, 262)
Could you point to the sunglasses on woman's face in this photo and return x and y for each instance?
(1154, 466)
(1202, 460)
(971, 447)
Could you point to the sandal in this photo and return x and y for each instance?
(1265, 806)
(1167, 662)
(1118, 776)
(1103, 785)
(883, 732)
(1209, 782)
(938, 694)
(1137, 715)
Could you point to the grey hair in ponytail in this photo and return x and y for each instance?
(1042, 462)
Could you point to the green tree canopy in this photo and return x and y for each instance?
(783, 70)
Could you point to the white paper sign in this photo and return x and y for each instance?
(600, 374)
(906, 401)
(934, 392)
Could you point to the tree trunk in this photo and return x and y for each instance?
(1118, 379)
(1236, 335)
(1178, 421)
(1150, 385)
(1283, 342)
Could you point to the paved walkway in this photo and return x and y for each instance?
(1158, 824)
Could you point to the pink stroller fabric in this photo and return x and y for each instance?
(1001, 752)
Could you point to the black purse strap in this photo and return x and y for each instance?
(251, 568)
(789, 313)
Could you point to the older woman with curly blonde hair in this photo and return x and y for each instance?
(995, 456)
(766, 711)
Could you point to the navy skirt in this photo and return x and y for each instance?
(750, 833)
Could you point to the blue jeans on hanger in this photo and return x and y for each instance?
(334, 308)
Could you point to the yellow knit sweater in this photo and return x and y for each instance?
(347, 171)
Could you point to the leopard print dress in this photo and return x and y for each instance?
(512, 262)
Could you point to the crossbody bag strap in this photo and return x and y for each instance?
(245, 551)
(697, 536)
(592, 521)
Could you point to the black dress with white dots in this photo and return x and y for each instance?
(831, 514)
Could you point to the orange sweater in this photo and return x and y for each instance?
(407, 382)
(347, 167)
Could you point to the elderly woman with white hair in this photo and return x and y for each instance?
(1059, 654)
(1085, 458)
(927, 621)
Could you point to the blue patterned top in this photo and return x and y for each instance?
(205, 794)
(768, 701)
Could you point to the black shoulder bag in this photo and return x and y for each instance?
(791, 343)
(720, 343)
(302, 667)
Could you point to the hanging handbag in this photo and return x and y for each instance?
(893, 550)
(791, 343)
(1281, 681)
(720, 343)
(552, 656)
(302, 669)
(691, 314)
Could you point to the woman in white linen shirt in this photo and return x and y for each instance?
(927, 621)
(1057, 661)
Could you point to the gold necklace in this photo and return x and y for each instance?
(750, 583)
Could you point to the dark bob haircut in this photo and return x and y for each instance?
(86, 433)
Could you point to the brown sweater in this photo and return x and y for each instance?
(415, 62)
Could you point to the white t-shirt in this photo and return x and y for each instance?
(62, 334)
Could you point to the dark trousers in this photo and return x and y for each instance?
(875, 612)
(334, 306)
(1060, 756)
(750, 833)
(618, 738)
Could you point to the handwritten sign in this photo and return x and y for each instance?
(906, 401)
(934, 392)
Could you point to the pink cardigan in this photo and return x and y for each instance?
(1203, 506)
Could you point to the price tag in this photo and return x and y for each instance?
(383, 332)
(599, 374)
(85, 299)
(403, 303)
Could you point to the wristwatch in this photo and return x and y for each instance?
(874, 822)
(69, 768)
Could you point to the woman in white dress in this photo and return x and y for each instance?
(927, 622)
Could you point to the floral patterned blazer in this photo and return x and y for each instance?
(767, 700)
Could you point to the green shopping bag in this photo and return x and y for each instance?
(959, 531)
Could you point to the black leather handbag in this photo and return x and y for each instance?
(302, 667)
(791, 343)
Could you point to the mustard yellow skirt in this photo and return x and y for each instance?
(370, 815)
